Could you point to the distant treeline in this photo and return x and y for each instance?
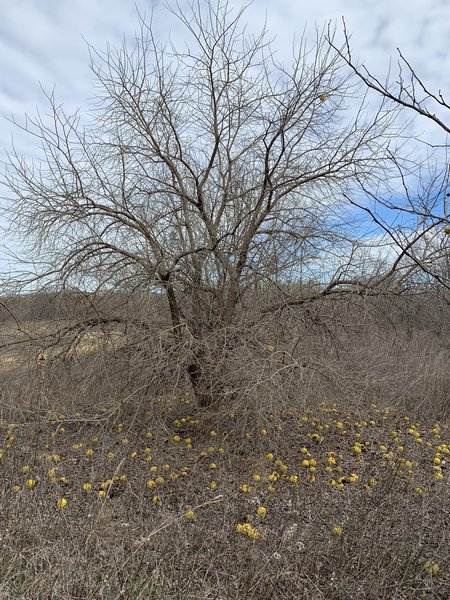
(428, 310)
(45, 306)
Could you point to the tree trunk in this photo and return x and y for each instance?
(201, 386)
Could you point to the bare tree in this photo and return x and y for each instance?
(426, 203)
(216, 178)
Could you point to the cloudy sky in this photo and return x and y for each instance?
(43, 43)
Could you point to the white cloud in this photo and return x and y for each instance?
(43, 41)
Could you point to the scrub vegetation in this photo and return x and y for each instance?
(113, 487)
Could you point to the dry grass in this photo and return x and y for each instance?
(301, 485)
(380, 532)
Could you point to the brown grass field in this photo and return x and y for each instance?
(171, 502)
(114, 488)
